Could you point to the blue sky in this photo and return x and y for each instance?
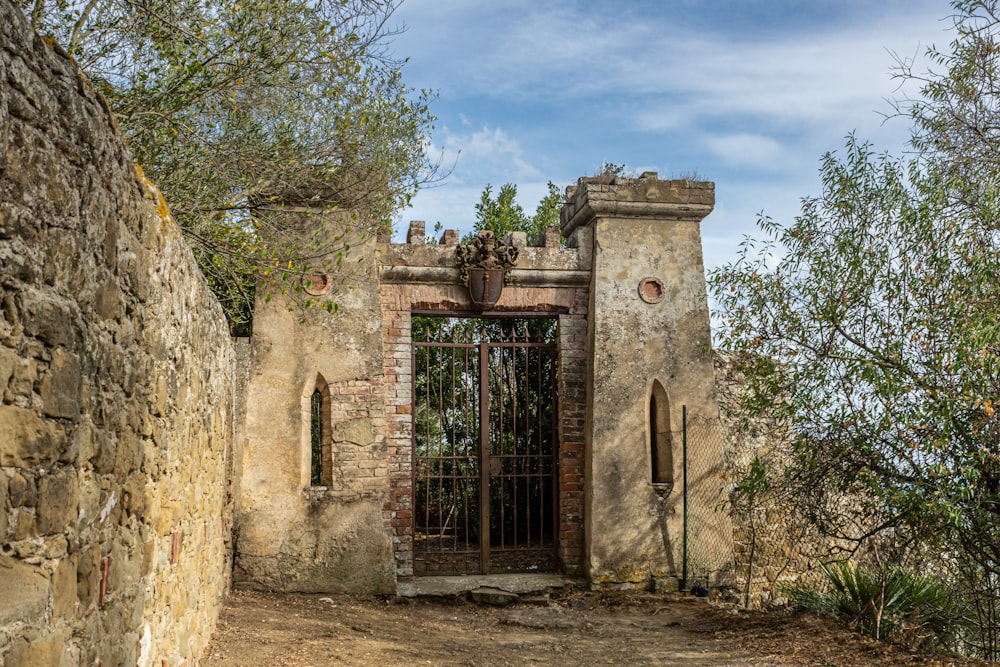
(746, 93)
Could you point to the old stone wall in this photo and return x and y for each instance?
(650, 357)
(116, 381)
(295, 533)
(351, 530)
(774, 545)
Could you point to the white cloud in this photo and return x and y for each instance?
(547, 90)
(487, 142)
(572, 51)
(746, 149)
(487, 148)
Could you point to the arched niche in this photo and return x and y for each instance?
(661, 454)
(320, 446)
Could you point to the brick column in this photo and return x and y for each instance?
(398, 387)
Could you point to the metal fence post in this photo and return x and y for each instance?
(684, 481)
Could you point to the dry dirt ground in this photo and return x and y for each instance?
(581, 629)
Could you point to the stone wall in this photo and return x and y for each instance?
(774, 545)
(293, 534)
(116, 380)
(352, 531)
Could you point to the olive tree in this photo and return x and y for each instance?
(875, 339)
(245, 112)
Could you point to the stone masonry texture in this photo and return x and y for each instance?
(116, 398)
(330, 537)
(646, 231)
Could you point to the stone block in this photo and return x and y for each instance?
(493, 596)
(38, 650)
(128, 454)
(25, 374)
(516, 239)
(415, 235)
(84, 443)
(62, 261)
(105, 450)
(64, 593)
(134, 495)
(27, 440)
(58, 500)
(60, 387)
(549, 238)
(166, 518)
(108, 301)
(49, 318)
(354, 431)
(24, 528)
(8, 359)
(88, 576)
(24, 590)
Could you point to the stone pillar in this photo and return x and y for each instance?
(650, 354)
(294, 533)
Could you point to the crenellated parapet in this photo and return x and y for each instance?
(544, 262)
(609, 196)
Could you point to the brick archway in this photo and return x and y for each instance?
(485, 482)
(414, 285)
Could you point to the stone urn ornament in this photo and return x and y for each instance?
(484, 267)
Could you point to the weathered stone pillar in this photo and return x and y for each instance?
(297, 533)
(650, 354)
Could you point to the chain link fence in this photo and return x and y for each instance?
(707, 537)
(740, 535)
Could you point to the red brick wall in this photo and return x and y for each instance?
(572, 396)
(397, 362)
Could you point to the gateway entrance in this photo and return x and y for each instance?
(484, 445)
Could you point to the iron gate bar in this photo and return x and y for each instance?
(484, 458)
(521, 473)
(445, 465)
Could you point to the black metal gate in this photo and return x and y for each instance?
(484, 445)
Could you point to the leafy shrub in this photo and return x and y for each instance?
(894, 603)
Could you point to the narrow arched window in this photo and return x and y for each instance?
(660, 441)
(316, 438)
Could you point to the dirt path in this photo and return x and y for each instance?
(259, 629)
